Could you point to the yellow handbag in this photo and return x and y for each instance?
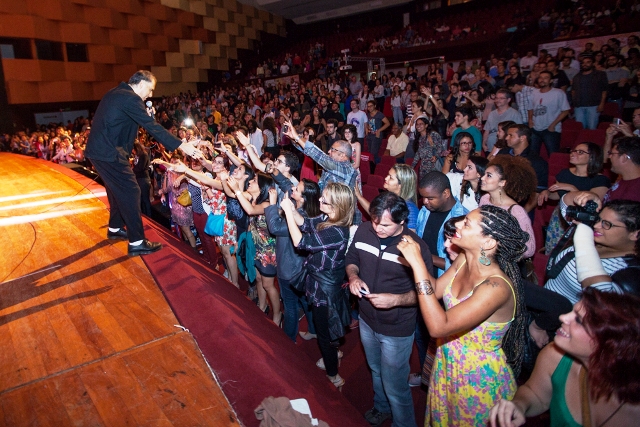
(184, 198)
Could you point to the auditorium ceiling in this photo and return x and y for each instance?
(305, 11)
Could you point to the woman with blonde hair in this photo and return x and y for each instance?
(403, 181)
(325, 237)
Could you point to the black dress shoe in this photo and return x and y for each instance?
(144, 248)
(117, 235)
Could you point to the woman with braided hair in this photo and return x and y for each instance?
(481, 332)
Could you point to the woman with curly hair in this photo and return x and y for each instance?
(590, 375)
(508, 181)
(481, 330)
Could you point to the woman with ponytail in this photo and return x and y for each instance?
(481, 332)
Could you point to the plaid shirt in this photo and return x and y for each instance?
(327, 247)
(524, 99)
(334, 171)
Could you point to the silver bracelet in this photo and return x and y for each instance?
(424, 287)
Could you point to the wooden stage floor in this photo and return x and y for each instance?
(87, 336)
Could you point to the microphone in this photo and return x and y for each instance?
(149, 108)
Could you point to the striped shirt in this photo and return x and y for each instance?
(567, 285)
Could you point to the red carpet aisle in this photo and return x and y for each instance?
(252, 358)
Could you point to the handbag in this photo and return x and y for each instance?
(184, 198)
(215, 225)
(298, 282)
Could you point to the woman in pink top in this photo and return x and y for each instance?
(508, 181)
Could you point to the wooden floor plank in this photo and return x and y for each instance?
(88, 337)
(101, 387)
(75, 399)
(53, 356)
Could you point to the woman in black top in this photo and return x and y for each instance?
(584, 175)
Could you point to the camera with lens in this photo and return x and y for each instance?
(586, 214)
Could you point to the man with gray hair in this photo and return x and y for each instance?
(336, 165)
(115, 127)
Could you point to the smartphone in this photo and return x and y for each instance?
(285, 128)
(617, 121)
(363, 291)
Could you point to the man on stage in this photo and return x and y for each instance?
(115, 127)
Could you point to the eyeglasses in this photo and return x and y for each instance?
(324, 201)
(606, 225)
(278, 160)
(335, 149)
(611, 153)
(580, 152)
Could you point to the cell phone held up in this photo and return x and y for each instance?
(285, 128)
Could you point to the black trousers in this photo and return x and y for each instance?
(145, 189)
(327, 350)
(123, 193)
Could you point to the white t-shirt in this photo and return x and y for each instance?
(358, 119)
(547, 107)
(526, 63)
(492, 123)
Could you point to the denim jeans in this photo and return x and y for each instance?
(290, 299)
(397, 116)
(588, 116)
(388, 359)
(373, 145)
(551, 141)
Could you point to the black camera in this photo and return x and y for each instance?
(285, 128)
(586, 214)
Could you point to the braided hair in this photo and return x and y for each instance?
(511, 245)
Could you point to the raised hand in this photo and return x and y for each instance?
(243, 139)
(273, 196)
(233, 184)
(286, 204)
(410, 249)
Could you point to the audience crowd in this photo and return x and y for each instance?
(458, 150)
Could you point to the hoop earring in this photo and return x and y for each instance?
(484, 260)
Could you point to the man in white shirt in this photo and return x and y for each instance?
(397, 143)
(502, 113)
(527, 63)
(357, 118)
(549, 107)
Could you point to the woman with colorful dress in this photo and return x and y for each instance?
(173, 185)
(214, 198)
(480, 333)
(254, 201)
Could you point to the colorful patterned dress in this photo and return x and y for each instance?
(470, 373)
(218, 204)
(181, 215)
(263, 241)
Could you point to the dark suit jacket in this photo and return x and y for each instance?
(115, 126)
